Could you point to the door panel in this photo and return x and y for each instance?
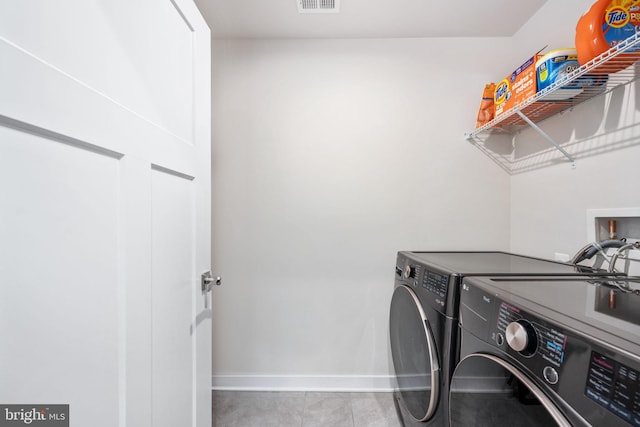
(96, 49)
(101, 265)
(59, 269)
(172, 295)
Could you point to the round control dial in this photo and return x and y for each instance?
(408, 272)
(521, 337)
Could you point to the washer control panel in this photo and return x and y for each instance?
(530, 336)
(535, 343)
(614, 386)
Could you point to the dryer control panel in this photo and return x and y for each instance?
(431, 286)
(437, 284)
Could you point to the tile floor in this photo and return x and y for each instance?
(303, 409)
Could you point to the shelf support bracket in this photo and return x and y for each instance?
(548, 138)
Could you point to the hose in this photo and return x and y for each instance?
(625, 247)
(593, 248)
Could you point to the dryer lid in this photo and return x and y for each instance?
(494, 264)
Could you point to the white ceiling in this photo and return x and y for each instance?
(368, 18)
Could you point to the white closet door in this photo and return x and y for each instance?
(105, 210)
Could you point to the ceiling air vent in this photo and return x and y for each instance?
(318, 6)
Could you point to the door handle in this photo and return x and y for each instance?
(206, 284)
(207, 281)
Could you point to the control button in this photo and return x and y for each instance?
(521, 337)
(550, 374)
(499, 339)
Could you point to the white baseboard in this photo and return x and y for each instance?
(329, 383)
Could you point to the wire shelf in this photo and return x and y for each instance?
(599, 76)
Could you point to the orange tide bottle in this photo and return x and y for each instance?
(603, 26)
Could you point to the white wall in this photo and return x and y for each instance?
(549, 205)
(329, 156)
